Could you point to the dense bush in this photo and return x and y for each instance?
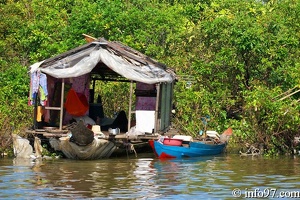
(233, 58)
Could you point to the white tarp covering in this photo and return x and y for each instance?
(63, 69)
(83, 62)
(142, 73)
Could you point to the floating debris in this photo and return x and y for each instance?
(252, 151)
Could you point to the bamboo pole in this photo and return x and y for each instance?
(289, 95)
(286, 92)
(89, 38)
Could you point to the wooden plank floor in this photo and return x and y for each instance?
(64, 133)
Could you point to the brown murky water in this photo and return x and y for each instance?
(145, 177)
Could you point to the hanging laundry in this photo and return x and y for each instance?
(39, 113)
(38, 88)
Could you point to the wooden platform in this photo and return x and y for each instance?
(48, 133)
(64, 133)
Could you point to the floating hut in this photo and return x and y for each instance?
(62, 92)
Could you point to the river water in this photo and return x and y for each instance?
(145, 177)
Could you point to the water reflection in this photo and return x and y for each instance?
(145, 177)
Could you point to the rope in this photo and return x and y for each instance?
(132, 149)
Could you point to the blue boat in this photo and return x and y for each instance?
(179, 148)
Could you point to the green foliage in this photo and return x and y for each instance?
(108, 92)
(238, 48)
(13, 98)
(237, 55)
(48, 152)
(275, 122)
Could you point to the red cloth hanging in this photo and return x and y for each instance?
(76, 103)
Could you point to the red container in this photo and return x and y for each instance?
(172, 142)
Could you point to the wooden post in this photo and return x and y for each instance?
(35, 126)
(130, 104)
(156, 124)
(62, 104)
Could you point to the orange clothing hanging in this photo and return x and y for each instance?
(76, 103)
(39, 113)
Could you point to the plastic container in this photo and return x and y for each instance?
(172, 142)
(114, 131)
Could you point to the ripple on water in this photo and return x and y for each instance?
(146, 178)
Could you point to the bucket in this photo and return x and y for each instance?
(114, 131)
